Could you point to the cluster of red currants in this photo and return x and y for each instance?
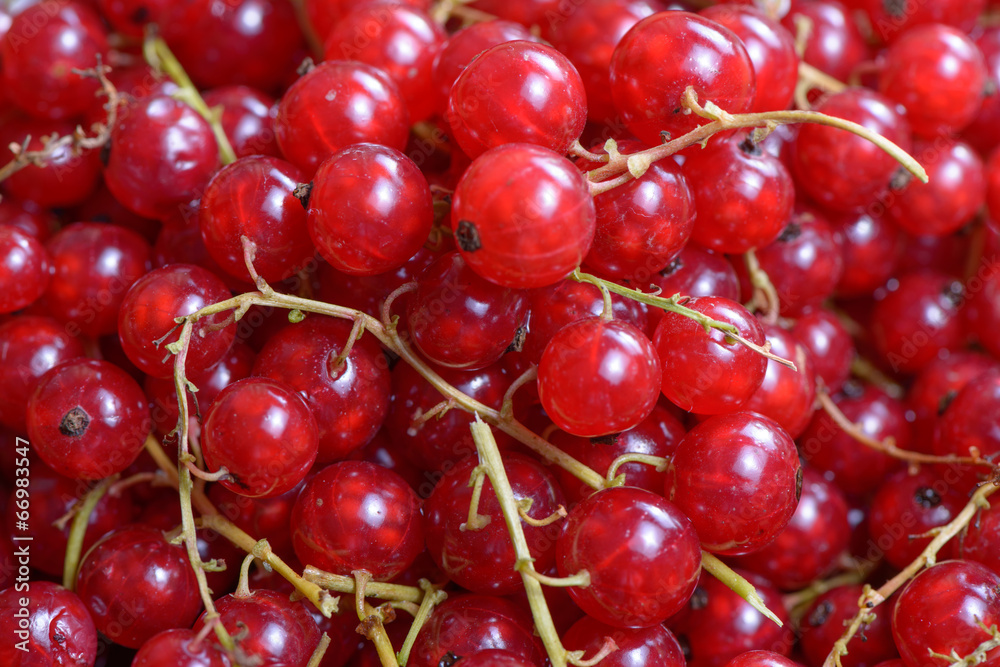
(264, 263)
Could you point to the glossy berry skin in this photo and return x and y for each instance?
(640, 647)
(280, 633)
(253, 42)
(743, 195)
(370, 209)
(643, 224)
(523, 216)
(67, 179)
(805, 262)
(253, 197)
(952, 197)
(465, 45)
(823, 625)
(247, 119)
(786, 395)
(356, 515)
(919, 320)
(494, 658)
(52, 497)
(743, 466)
(349, 399)
(263, 433)
(135, 585)
(704, 372)
(160, 141)
(912, 505)
(482, 559)
(178, 648)
(29, 346)
(58, 628)
(656, 435)
(808, 547)
(980, 542)
(44, 44)
(855, 468)
(400, 40)
(761, 658)
(940, 610)
(821, 154)
(718, 625)
(835, 44)
(24, 269)
(895, 20)
(771, 48)
(535, 97)
(147, 313)
(337, 104)
(661, 56)
(938, 74)
(88, 419)
(968, 422)
(599, 376)
(870, 244)
(588, 36)
(129, 17)
(460, 320)
(94, 264)
(828, 345)
(697, 271)
(982, 311)
(633, 582)
(466, 624)
(982, 133)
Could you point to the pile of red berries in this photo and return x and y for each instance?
(267, 266)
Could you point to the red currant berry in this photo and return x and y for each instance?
(247, 119)
(633, 582)
(895, 20)
(523, 216)
(465, 45)
(968, 422)
(835, 44)
(823, 624)
(356, 515)
(708, 373)
(24, 269)
(598, 377)
(786, 395)
(643, 647)
(661, 56)
(828, 345)
(870, 246)
(980, 541)
(180, 648)
(57, 630)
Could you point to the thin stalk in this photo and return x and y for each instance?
(81, 519)
(737, 584)
(432, 598)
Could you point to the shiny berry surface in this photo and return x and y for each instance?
(263, 433)
(466, 44)
(742, 466)
(88, 419)
(708, 373)
(481, 558)
(162, 154)
(252, 197)
(641, 647)
(356, 515)
(370, 209)
(661, 56)
(786, 395)
(942, 610)
(24, 269)
(535, 96)
(823, 624)
(180, 648)
(599, 376)
(58, 630)
(148, 310)
(337, 104)
(523, 216)
(135, 585)
(349, 397)
(247, 119)
(642, 554)
(835, 44)
(966, 421)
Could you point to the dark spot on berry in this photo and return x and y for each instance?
(140, 16)
(946, 401)
(750, 147)
(673, 267)
(820, 614)
(678, 110)
(699, 599)
(468, 236)
(302, 193)
(517, 344)
(449, 659)
(58, 637)
(105, 153)
(895, 8)
(926, 497)
(900, 179)
(608, 439)
(798, 484)
(74, 423)
(791, 232)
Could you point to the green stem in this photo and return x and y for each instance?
(737, 584)
(657, 462)
(489, 457)
(432, 597)
(159, 56)
(81, 520)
